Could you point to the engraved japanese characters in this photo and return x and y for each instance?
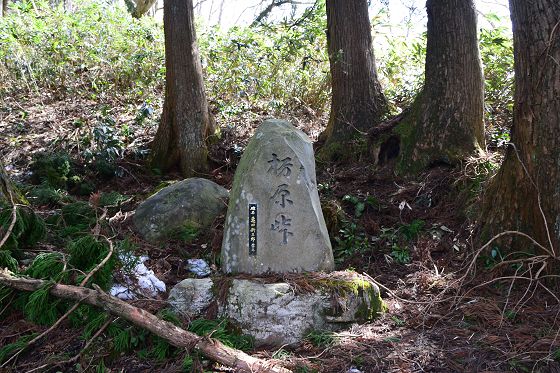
(274, 221)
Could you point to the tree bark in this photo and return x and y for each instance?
(525, 194)
(142, 7)
(446, 124)
(357, 103)
(186, 122)
(178, 337)
(4, 8)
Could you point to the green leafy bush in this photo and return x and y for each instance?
(98, 48)
(496, 50)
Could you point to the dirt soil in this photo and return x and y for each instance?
(440, 317)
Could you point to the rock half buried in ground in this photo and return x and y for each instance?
(274, 221)
(276, 314)
(190, 204)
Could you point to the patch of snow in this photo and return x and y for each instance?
(140, 278)
(199, 267)
(353, 370)
(122, 292)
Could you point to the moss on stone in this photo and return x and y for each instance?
(354, 283)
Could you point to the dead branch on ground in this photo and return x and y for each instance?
(176, 336)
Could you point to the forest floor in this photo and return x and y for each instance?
(414, 237)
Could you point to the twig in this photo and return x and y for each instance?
(13, 222)
(391, 293)
(89, 342)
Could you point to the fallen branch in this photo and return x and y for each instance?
(176, 336)
(72, 309)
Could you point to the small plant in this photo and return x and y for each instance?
(398, 321)
(350, 241)
(495, 257)
(401, 255)
(46, 195)
(7, 350)
(412, 230)
(221, 331)
(360, 204)
(187, 233)
(111, 199)
(322, 338)
(52, 169)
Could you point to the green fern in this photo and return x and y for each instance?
(45, 195)
(89, 316)
(122, 341)
(167, 314)
(161, 349)
(41, 307)
(27, 230)
(111, 199)
(101, 368)
(85, 254)
(9, 349)
(126, 337)
(77, 218)
(188, 363)
(48, 266)
(223, 332)
(6, 261)
(5, 298)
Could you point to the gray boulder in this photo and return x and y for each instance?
(191, 296)
(274, 221)
(275, 314)
(190, 204)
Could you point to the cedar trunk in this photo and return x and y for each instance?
(358, 103)
(529, 178)
(185, 123)
(4, 8)
(446, 123)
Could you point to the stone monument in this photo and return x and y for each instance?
(274, 221)
(275, 224)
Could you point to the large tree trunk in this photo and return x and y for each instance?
(185, 123)
(446, 123)
(358, 103)
(529, 179)
(4, 9)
